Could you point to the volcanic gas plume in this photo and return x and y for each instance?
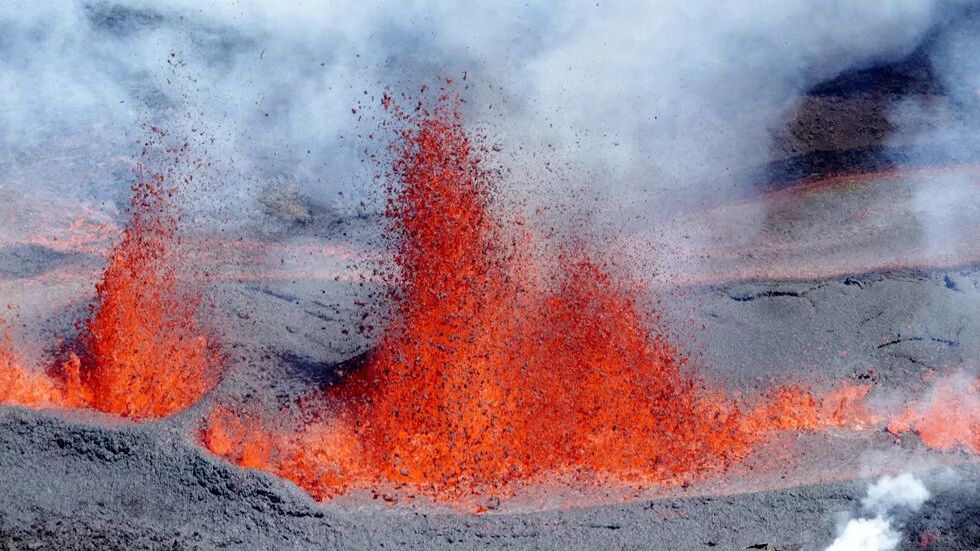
(501, 368)
(141, 353)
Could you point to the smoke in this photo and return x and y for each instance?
(885, 500)
(692, 91)
(627, 113)
(944, 129)
(889, 493)
(874, 534)
(642, 103)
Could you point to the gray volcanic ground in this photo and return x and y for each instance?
(792, 275)
(73, 485)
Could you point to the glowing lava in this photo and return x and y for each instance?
(141, 354)
(28, 388)
(144, 354)
(949, 420)
(500, 370)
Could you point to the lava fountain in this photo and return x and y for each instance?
(141, 353)
(500, 369)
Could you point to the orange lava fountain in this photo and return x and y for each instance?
(142, 355)
(494, 374)
(145, 356)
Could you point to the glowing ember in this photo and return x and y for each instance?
(494, 374)
(142, 354)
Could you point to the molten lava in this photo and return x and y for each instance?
(949, 420)
(144, 354)
(141, 354)
(27, 388)
(491, 374)
(499, 370)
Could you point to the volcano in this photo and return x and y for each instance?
(464, 368)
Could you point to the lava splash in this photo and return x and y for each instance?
(948, 419)
(29, 388)
(493, 373)
(501, 369)
(141, 353)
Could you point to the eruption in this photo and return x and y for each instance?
(680, 277)
(140, 354)
(145, 355)
(502, 369)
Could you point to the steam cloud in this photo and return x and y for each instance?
(884, 498)
(651, 102)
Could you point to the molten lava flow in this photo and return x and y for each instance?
(949, 420)
(495, 372)
(141, 352)
(326, 459)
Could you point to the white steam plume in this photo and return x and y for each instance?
(647, 104)
(885, 498)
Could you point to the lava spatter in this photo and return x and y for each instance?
(324, 458)
(141, 353)
(949, 420)
(25, 387)
(144, 355)
(492, 374)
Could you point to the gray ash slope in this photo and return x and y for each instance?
(888, 328)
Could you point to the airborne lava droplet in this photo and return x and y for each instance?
(493, 375)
